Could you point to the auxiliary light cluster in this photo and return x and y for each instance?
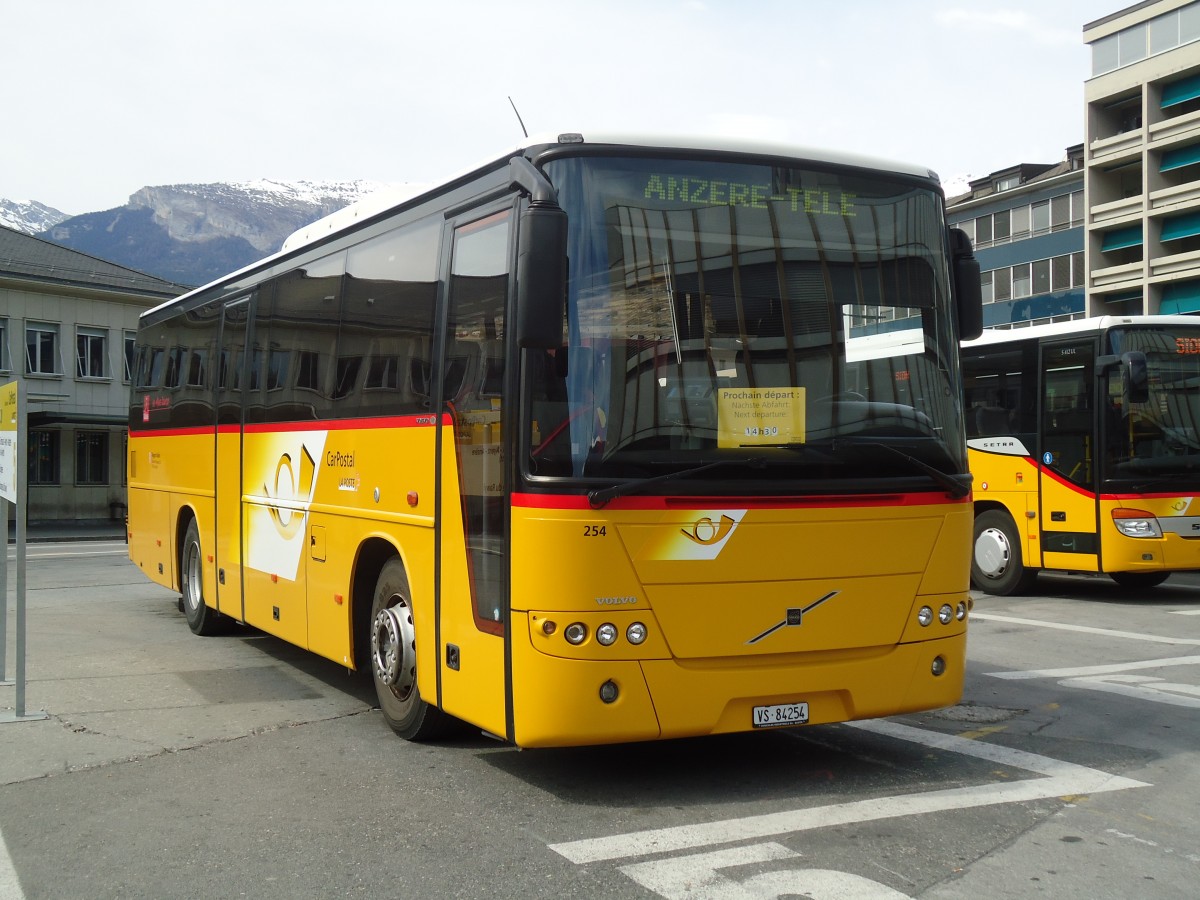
(606, 635)
(945, 615)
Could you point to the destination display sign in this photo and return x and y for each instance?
(712, 192)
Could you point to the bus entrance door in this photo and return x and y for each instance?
(1067, 457)
(473, 599)
(226, 544)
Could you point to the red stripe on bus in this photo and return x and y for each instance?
(198, 430)
(580, 502)
(415, 421)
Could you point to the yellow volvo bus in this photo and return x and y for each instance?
(1084, 441)
(588, 444)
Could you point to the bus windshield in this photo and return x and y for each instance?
(796, 319)
(1160, 437)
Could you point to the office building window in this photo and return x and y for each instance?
(43, 457)
(4, 365)
(1041, 217)
(983, 231)
(130, 343)
(1020, 223)
(1041, 277)
(1060, 213)
(1131, 44)
(1002, 284)
(91, 457)
(90, 353)
(41, 349)
(1001, 226)
(1060, 273)
(1020, 281)
(1158, 35)
(1029, 279)
(1104, 55)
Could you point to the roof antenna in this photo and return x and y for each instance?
(519, 119)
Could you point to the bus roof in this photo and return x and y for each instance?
(1076, 326)
(389, 199)
(384, 200)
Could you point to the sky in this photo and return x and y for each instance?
(99, 99)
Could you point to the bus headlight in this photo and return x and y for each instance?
(924, 616)
(606, 634)
(1136, 523)
(635, 633)
(946, 614)
(575, 633)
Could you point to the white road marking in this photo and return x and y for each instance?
(1185, 612)
(699, 876)
(10, 886)
(1087, 629)
(1061, 779)
(47, 554)
(1090, 671)
(1140, 687)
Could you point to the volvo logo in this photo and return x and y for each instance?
(793, 617)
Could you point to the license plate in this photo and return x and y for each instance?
(780, 714)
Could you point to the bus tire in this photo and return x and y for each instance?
(1134, 581)
(393, 652)
(201, 618)
(997, 566)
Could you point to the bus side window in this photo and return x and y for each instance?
(989, 421)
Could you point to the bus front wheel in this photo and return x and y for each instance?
(393, 642)
(996, 561)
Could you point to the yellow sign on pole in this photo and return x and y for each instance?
(8, 441)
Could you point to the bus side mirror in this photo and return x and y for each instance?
(968, 293)
(1135, 380)
(541, 277)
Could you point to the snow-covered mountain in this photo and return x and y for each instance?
(956, 185)
(195, 233)
(28, 216)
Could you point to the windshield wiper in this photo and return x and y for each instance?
(599, 498)
(957, 486)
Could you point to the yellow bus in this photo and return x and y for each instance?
(1084, 440)
(588, 444)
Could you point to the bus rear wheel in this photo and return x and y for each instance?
(393, 642)
(1138, 580)
(997, 566)
(202, 619)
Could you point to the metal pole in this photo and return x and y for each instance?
(4, 595)
(20, 672)
(22, 505)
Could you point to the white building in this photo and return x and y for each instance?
(67, 323)
(1142, 160)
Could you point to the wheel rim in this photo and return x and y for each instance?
(992, 552)
(191, 578)
(393, 648)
